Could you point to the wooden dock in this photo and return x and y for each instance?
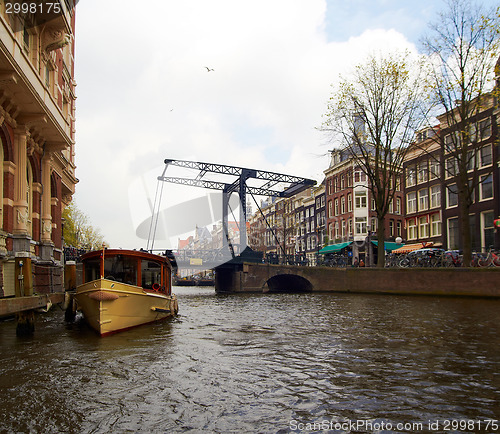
(13, 305)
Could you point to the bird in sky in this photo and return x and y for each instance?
(209, 69)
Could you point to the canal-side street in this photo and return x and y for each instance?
(262, 363)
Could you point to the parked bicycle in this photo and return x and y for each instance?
(490, 259)
(430, 257)
(452, 258)
(336, 261)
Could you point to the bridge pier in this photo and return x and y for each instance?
(228, 278)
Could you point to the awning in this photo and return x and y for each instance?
(332, 248)
(412, 247)
(390, 246)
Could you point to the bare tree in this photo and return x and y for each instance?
(462, 47)
(374, 115)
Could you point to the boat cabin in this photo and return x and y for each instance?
(132, 267)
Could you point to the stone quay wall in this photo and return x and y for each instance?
(475, 282)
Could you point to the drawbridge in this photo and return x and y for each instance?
(228, 180)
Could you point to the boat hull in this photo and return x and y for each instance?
(109, 306)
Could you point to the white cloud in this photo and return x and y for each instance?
(144, 93)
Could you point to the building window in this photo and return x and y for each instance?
(349, 202)
(336, 207)
(398, 206)
(330, 209)
(453, 234)
(423, 199)
(435, 225)
(423, 227)
(398, 229)
(422, 175)
(434, 169)
(448, 143)
(452, 191)
(451, 167)
(360, 199)
(344, 228)
(452, 142)
(471, 160)
(342, 182)
(360, 223)
(486, 156)
(486, 187)
(435, 196)
(411, 202)
(391, 228)
(412, 229)
(410, 176)
(349, 226)
(485, 129)
(487, 230)
(342, 205)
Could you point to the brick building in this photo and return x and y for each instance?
(484, 173)
(423, 189)
(350, 208)
(37, 127)
(431, 202)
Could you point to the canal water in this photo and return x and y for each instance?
(262, 363)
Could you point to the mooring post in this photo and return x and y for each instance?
(23, 281)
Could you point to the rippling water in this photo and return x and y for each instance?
(267, 363)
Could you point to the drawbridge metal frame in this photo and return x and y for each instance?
(239, 185)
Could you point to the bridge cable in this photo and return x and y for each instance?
(156, 212)
(269, 226)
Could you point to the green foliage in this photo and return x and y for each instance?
(78, 232)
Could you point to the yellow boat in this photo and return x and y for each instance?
(122, 289)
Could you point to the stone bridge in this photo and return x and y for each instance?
(254, 277)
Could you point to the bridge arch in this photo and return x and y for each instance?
(287, 283)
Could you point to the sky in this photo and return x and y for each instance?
(144, 92)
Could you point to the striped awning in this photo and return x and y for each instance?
(411, 247)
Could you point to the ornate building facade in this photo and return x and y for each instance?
(37, 133)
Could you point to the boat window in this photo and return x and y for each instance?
(151, 274)
(121, 269)
(92, 269)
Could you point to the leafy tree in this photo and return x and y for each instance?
(78, 232)
(374, 116)
(463, 46)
